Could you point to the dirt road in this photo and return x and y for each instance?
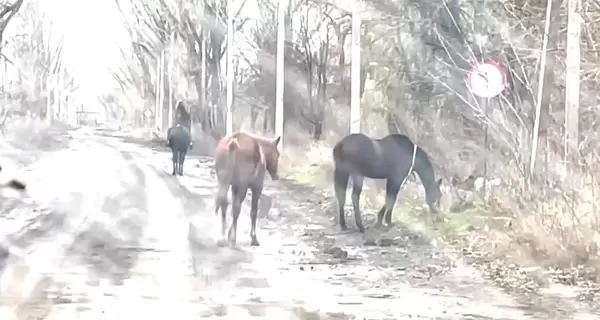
(112, 235)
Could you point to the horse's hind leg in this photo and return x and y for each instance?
(174, 152)
(357, 185)
(340, 180)
(256, 192)
(238, 195)
(222, 204)
(182, 154)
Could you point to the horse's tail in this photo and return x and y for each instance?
(337, 153)
(225, 160)
(233, 144)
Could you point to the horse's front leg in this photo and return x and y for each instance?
(391, 194)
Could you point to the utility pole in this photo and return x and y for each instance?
(280, 78)
(355, 112)
(573, 79)
(229, 115)
(171, 75)
(157, 93)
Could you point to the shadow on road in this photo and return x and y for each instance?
(110, 246)
(210, 262)
(106, 245)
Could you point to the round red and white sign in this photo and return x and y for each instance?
(486, 79)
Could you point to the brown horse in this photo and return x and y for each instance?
(241, 161)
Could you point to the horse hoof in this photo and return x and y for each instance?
(221, 243)
(173, 173)
(389, 225)
(361, 229)
(254, 243)
(378, 225)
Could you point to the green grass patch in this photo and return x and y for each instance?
(312, 176)
(409, 210)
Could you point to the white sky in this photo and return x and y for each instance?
(91, 29)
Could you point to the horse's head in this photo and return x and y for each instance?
(271, 153)
(433, 195)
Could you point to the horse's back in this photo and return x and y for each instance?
(397, 142)
(237, 156)
(179, 137)
(358, 153)
(352, 144)
(238, 144)
(373, 158)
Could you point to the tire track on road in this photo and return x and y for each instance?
(41, 268)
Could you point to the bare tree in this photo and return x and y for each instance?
(38, 66)
(8, 9)
(315, 47)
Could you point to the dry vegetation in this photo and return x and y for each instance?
(413, 84)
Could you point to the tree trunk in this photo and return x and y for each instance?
(573, 66)
(280, 73)
(355, 109)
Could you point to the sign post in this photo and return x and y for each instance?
(147, 116)
(486, 80)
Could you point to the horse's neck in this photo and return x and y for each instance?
(260, 166)
(426, 175)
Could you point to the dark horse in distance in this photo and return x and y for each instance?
(392, 158)
(241, 161)
(179, 137)
(182, 116)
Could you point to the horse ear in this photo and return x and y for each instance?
(439, 182)
(277, 140)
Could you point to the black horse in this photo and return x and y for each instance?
(179, 140)
(393, 158)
